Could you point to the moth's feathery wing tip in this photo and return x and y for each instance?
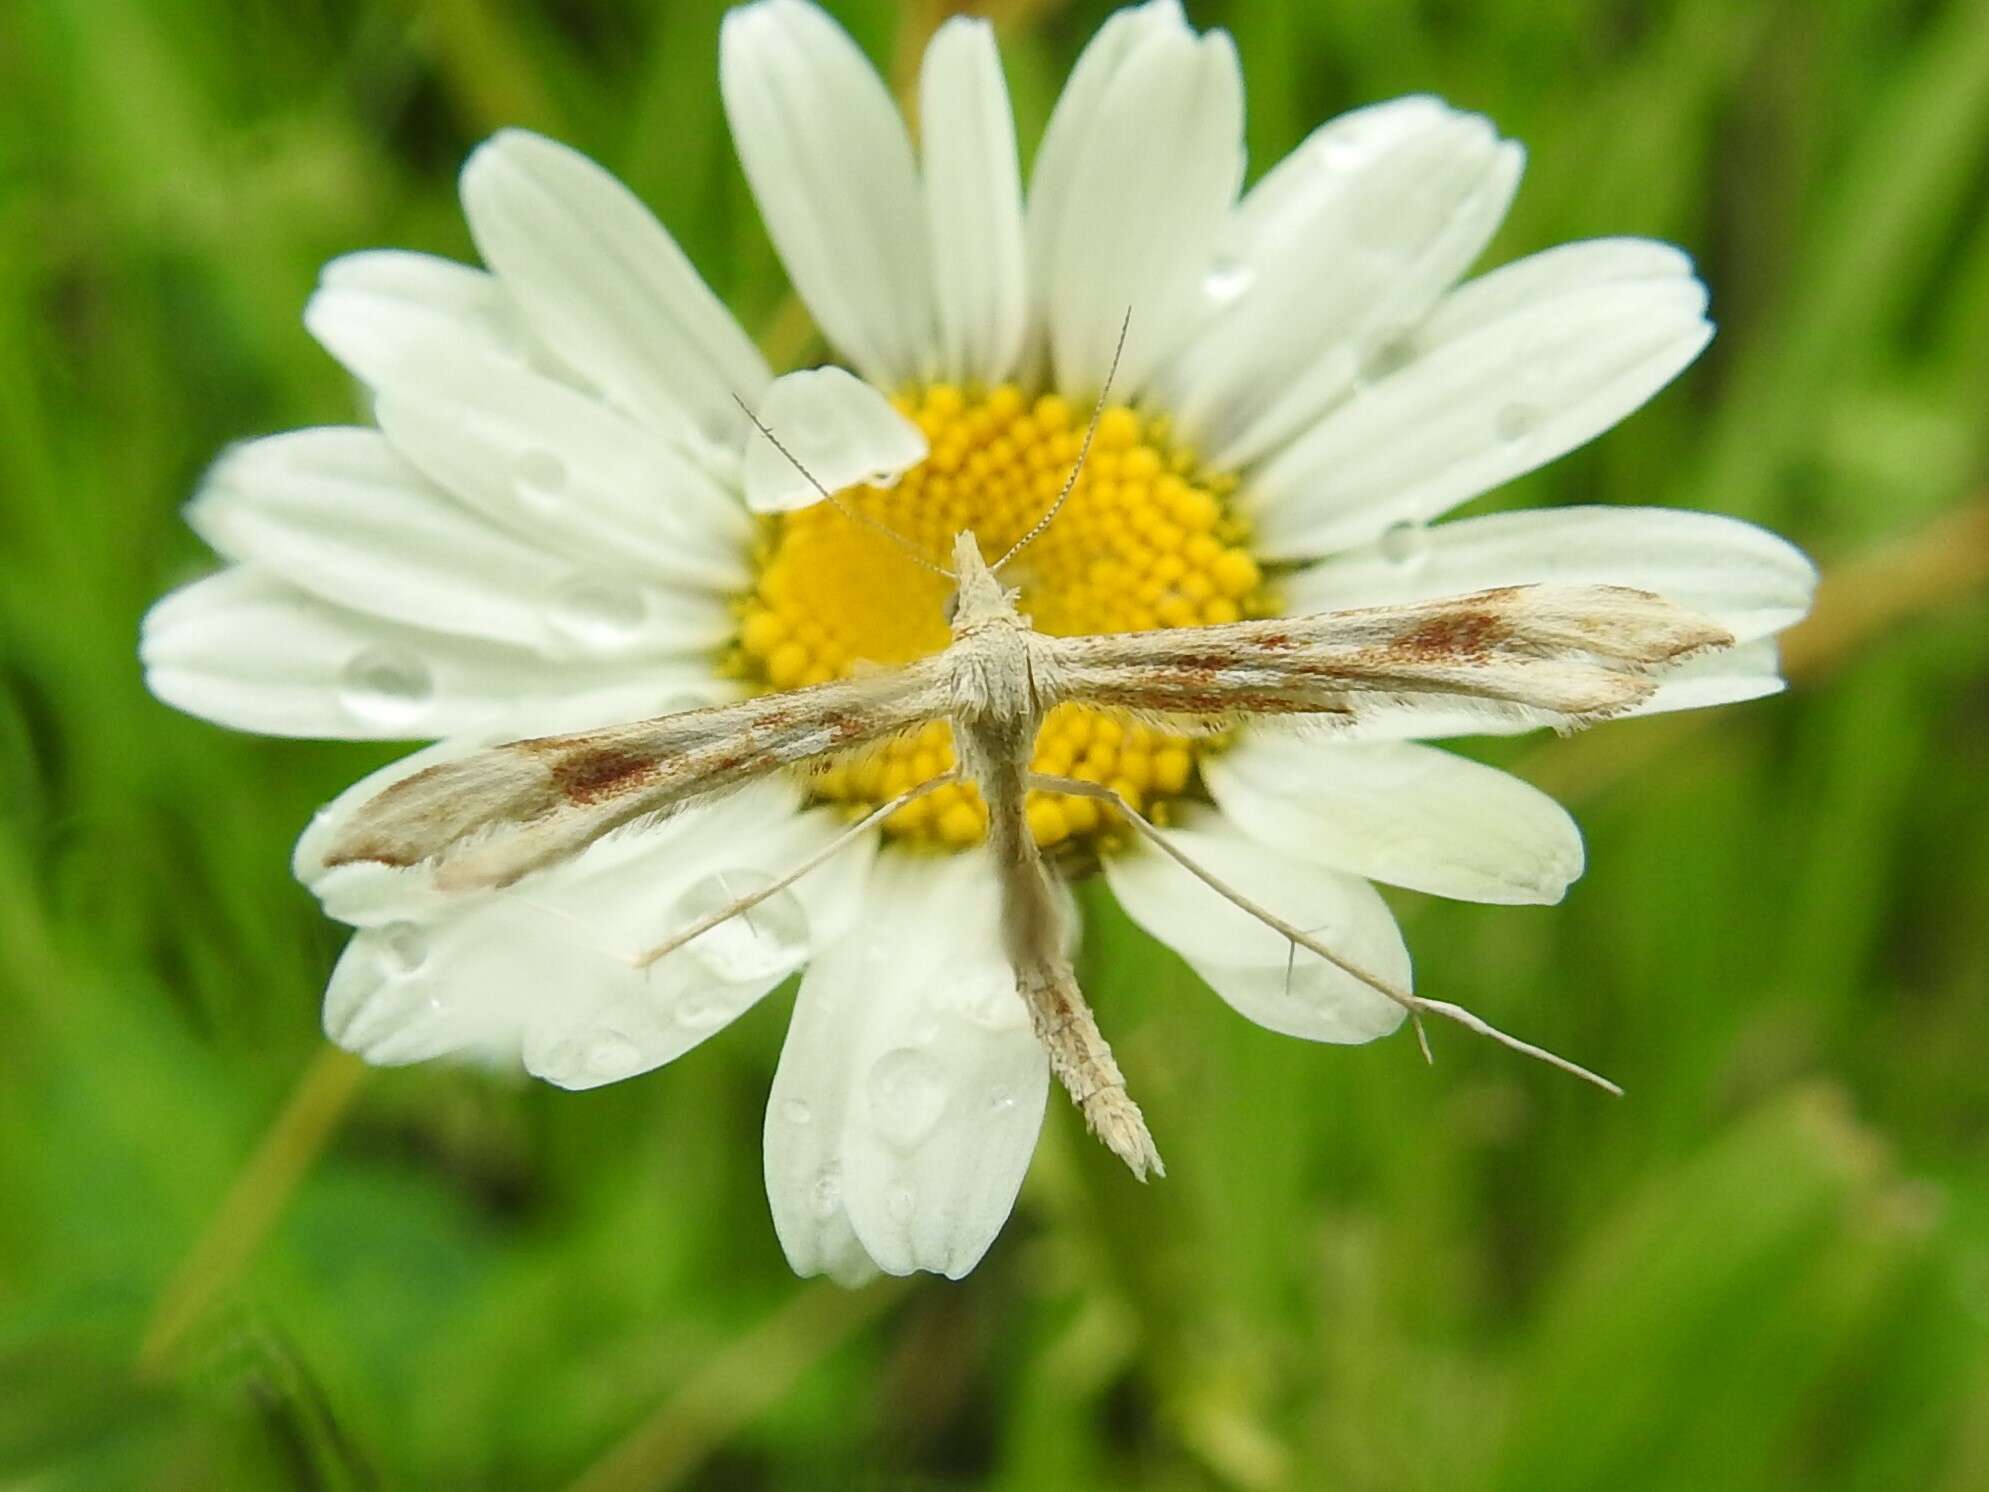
(1638, 627)
(464, 809)
(1112, 1115)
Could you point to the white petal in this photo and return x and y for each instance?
(245, 649)
(605, 286)
(466, 304)
(1335, 158)
(1541, 277)
(529, 451)
(837, 429)
(1751, 671)
(831, 167)
(1405, 814)
(338, 513)
(973, 204)
(1745, 578)
(1333, 276)
(1137, 172)
(911, 1087)
(1253, 968)
(545, 972)
(1475, 410)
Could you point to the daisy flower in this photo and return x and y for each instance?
(556, 520)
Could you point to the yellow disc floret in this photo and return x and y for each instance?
(1143, 542)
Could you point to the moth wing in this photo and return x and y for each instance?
(1549, 655)
(485, 820)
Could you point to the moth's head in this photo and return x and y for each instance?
(978, 598)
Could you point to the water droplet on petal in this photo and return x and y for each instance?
(768, 940)
(899, 1200)
(1001, 1098)
(794, 1111)
(1344, 149)
(598, 611)
(612, 1055)
(597, 1057)
(907, 1093)
(701, 1014)
(540, 478)
(1390, 353)
(386, 687)
(826, 1195)
(509, 341)
(1404, 545)
(990, 1002)
(720, 427)
(403, 948)
(883, 480)
(1516, 422)
(1226, 280)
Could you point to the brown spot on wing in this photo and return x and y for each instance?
(590, 774)
(1458, 636)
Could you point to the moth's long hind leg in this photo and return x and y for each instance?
(1416, 1005)
(828, 851)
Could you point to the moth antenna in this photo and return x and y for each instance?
(838, 504)
(1097, 411)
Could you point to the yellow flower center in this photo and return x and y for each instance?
(1144, 541)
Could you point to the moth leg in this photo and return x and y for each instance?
(1415, 1004)
(752, 899)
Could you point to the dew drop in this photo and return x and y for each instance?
(701, 1014)
(991, 1003)
(1404, 545)
(899, 1200)
(1226, 280)
(598, 611)
(720, 427)
(768, 940)
(1515, 422)
(598, 1057)
(386, 687)
(826, 1195)
(907, 1093)
(797, 1113)
(403, 948)
(1390, 353)
(1001, 1098)
(540, 478)
(1343, 149)
(883, 480)
(611, 1055)
(510, 342)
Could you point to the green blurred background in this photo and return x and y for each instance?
(229, 1257)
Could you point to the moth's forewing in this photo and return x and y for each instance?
(487, 819)
(1565, 654)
